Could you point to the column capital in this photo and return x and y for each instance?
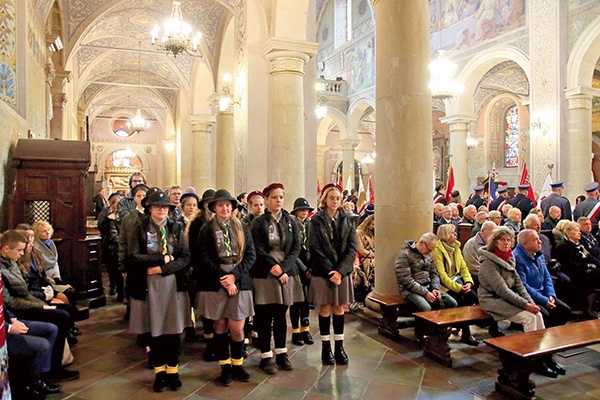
(581, 91)
(349, 144)
(288, 56)
(458, 119)
(59, 100)
(201, 123)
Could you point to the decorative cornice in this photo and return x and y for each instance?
(201, 123)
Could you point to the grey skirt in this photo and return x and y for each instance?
(270, 291)
(165, 312)
(322, 293)
(217, 305)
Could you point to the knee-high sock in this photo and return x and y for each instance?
(325, 328)
(236, 352)
(280, 327)
(222, 348)
(295, 316)
(338, 327)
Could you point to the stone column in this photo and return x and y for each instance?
(348, 145)
(323, 180)
(81, 124)
(579, 137)
(59, 102)
(226, 154)
(404, 157)
(202, 152)
(459, 125)
(286, 92)
(169, 166)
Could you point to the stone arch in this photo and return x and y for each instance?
(583, 57)
(136, 148)
(477, 67)
(333, 115)
(355, 113)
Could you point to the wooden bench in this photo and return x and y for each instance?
(392, 306)
(519, 352)
(436, 326)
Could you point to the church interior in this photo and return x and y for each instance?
(236, 94)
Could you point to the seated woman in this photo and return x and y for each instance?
(513, 221)
(503, 296)
(364, 274)
(49, 256)
(454, 275)
(581, 267)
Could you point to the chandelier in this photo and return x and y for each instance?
(177, 35)
(138, 124)
(442, 84)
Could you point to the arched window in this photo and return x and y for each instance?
(511, 137)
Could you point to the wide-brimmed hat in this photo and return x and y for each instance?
(220, 195)
(149, 193)
(158, 198)
(301, 204)
(206, 196)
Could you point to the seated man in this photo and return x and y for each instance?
(18, 300)
(446, 217)
(588, 240)
(417, 276)
(469, 215)
(532, 270)
(471, 249)
(554, 215)
(480, 218)
(437, 211)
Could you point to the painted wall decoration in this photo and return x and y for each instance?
(8, 51)
(459, 24)
(359, 63)
(36, 41)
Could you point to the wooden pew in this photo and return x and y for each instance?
(519, 352)
(463, 232)
(436, 326)
(392, 306)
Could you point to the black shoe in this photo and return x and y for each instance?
(297, 339)
(173, 382)
(149, 361)
(240, 373)
(542, 368)
(267, 365)
(61, 375)
(327, 354)
(75, 330)
(469, 339)
(554, 366)
(340, 354)
(71, 339)
(34, 393)
(160, 382)
(209, 352)
(306, 336)
(190, 335)
(45, 387)
(226, 377)
(283, 361)
(495, 332)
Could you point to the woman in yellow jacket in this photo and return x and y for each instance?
(454, 275)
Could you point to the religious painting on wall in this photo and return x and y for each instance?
(459, 24)
(8, 52)
(359, 62)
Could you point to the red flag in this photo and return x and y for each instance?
(340, 181)
(371, 191)
(450, 183)
(318, 188)
(525, 180)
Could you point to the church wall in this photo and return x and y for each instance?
(35, 55)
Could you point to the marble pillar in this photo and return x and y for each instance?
(322, 179)
(459, 126)
(286, 92)
(170, 167)
(59, 103)
(226, 153)
(202, 152)
(348, 146)
(579, 136)
(403, 188)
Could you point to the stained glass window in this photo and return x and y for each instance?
(511, 137)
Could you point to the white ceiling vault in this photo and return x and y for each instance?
(108, 41)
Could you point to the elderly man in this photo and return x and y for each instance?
(480, 218)
(554, 215)
(471, 249)
(437, 211)
(588, 240)
(532, 270)
(557, 199)
(469, 214)
(418, 280)
(446, 217)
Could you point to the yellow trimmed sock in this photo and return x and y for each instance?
(172, 370)
(237, 362)
(209, 335)
(295, 330)
(225, 362)
(305, 329)
(162, 368)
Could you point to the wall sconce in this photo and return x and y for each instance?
(471, 143)
(226, 99)
(169, 143)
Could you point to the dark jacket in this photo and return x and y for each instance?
(523, 203)
(260, 235)
(138, 260)
(549, 224)
(36, 280)
(574, 259)
(125, 226)
(207, 263)
(415, 273)
(325, 254)
(476, 200)
(109, 230)
(14, 288)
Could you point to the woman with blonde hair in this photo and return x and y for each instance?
(333, 245)
(454, 274)
(514, 220)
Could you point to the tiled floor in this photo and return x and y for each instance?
(113, 367)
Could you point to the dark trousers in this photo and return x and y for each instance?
(165, 350)
(270, 318)
(556, 316)
(60, 318)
